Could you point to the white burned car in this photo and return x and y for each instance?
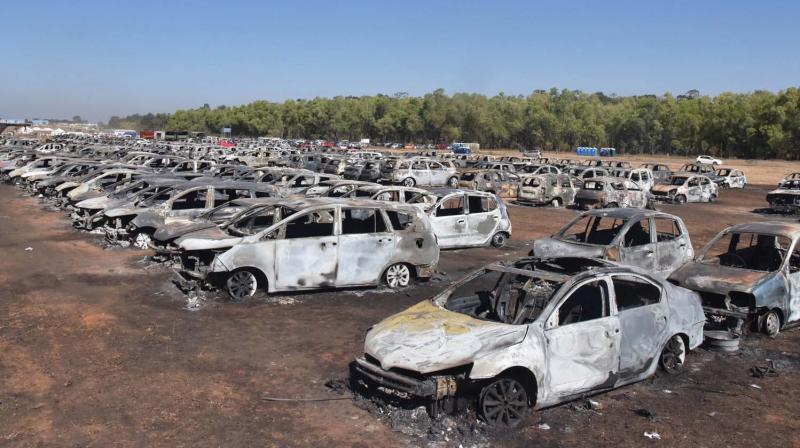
(611, 192)
(469, 218)
(731, 178)
(531, 335)
(652, 240)
(683, 188)
(419, 172)
(311, 244)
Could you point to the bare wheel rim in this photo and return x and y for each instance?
(504, 402)
(772, 323)
(141, 240)
(409, 182)
(498, 240)
(242, 284)
(555, 203)
(673, 355)
(453, 182)
(398, 275)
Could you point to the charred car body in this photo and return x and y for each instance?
(469, 219)
(312, 244)
(785, 198)
(683, 188)
(554, 189)
(502, 183)
(531, 335)
(611, 192)
(749, 272)
(652, 240)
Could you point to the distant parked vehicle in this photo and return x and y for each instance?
(611, 192)
(661, 172)
(708, 160)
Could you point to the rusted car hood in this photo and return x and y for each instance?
(717, 279)
(551, 247)
(426, 338)
(208, 238)
(177, 229)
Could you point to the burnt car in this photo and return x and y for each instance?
(683, 188)
(311, 244)
(661, 172)
(502, 183)
(554, 189)
(749, 272)
(469, 219)
(135, 223)
(419, 172)
(701, 168)
(510, 338)
(611, 192)
(731, 178)
(652, 240)
(785, 198)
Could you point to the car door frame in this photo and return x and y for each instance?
(554, 334)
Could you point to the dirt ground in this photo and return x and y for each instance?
(98, 348)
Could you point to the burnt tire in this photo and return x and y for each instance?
(241, 284)
(503, 403)
(673, 355)
(772, 324)
(397, 275)
(612, 205)
(499, 239)
(141, 240)
(712, 198)
(409, 182)
(680, 199)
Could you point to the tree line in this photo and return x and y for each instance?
(760, 124)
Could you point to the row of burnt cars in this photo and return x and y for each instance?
(244, 228)
(607, 300)
(589, 184)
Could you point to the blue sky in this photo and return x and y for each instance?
(103, 58)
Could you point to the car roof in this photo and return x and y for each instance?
(628, 213)
(788, 229)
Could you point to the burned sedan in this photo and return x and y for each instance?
(683, 188)
(554, 189)
(502, 183)
(652, 240)
(508, 338)
(312, 244)
(785, 198)
(749, 272)
(611, 192)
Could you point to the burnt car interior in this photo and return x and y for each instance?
(594, 230)
(757, 252)
(517, 294)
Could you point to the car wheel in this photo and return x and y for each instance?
(712, 198)
(409, 182)
(242, 284)
(680, 199)
(453, 182)
(772, 324)
(612, 205)
(673, 355)
(499, 239)
(503, 402)
(397, 276)
(142, 240)
(556, 203)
